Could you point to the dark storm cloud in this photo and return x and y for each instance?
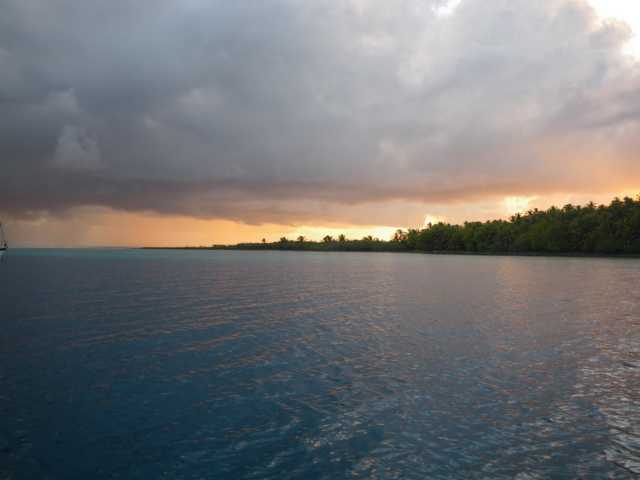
(257, 110)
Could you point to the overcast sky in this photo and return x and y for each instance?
(281, 115)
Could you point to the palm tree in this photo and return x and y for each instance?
(327, 239)
(301, 238)
(342, 238)
(399, 236)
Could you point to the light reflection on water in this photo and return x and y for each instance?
(132, 364)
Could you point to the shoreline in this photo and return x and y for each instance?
(435, 252)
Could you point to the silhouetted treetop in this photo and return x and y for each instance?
(588, 229)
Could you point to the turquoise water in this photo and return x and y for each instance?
(282, 365)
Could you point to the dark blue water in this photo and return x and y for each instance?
(283, 365)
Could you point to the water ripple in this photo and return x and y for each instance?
(271, 365)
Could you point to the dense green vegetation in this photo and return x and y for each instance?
(572, 229)
(589, 229)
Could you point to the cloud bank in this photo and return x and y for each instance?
(285, 111)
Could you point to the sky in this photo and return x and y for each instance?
(192, 122)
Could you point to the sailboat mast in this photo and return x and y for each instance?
(3, 239)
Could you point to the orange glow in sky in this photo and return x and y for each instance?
(104, 227)
(88, 226)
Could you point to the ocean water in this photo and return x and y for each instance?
(130, 364)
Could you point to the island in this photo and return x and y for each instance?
(590, 229)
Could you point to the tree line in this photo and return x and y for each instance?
(588, 229)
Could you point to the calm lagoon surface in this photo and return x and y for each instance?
(290, 365)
